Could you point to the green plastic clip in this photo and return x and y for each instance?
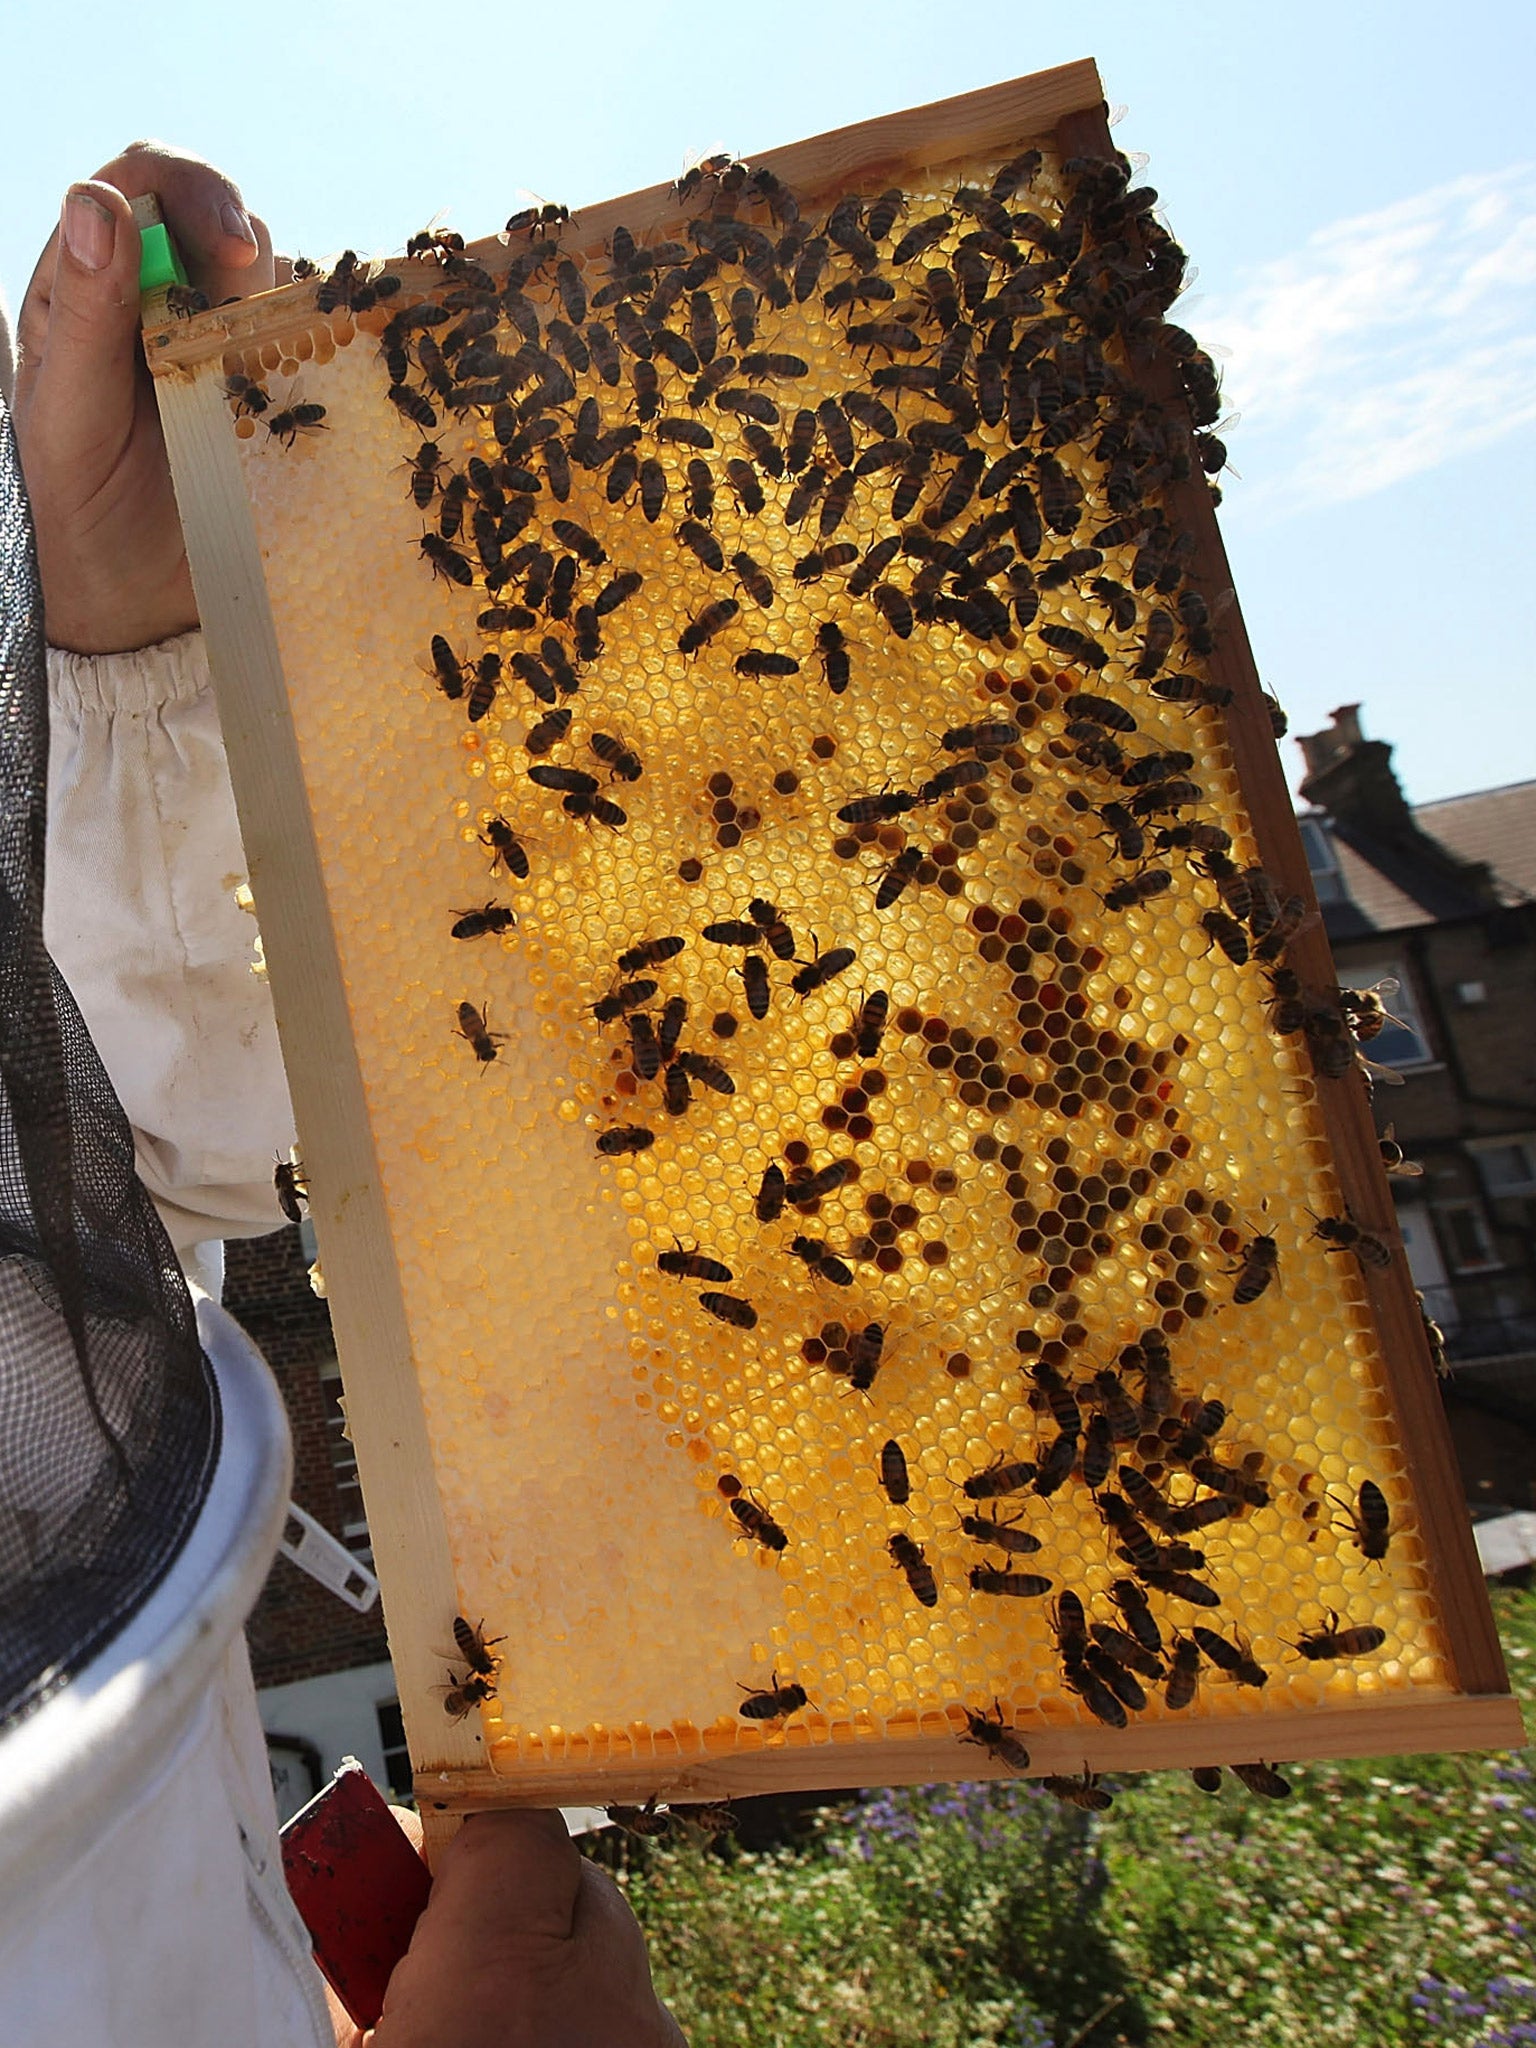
(160, 264)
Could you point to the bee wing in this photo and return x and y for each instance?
(710, 151)
(1390, 1075)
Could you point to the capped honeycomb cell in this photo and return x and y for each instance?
(820, 999)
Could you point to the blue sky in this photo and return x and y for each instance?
(1355, 183)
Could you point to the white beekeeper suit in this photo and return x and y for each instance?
(142, 1903)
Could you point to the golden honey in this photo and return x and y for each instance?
(1072, 1124)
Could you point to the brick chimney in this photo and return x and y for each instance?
(1351, 777)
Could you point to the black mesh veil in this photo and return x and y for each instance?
(109, 1419)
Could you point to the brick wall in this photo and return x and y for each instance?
(298, 1629)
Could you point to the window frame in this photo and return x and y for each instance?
(1468, 1205)
(1480, 1149)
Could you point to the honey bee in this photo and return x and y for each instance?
(545, 219)
(1322, 1644)
(1125, 1649)
(1226, 932)
(1371, 1520)
(772, 1189)
(1343, 1234)
(774, 1702)
(1129, 837)
(1137, 889)
(832, 651)
(824, 1263)
(622, 762)
(1076, 646)
(473, 1029)
(412, 405)
(1291, 917)
(674, 1015)
(896, 875)
(1263, 1779)
(291, 1188)
(895, 608)
(729, 1308)
(992, 1733)
(909, 1559)
(825, 967)
(803, 1194)
(1008, 1585)
(894, 1477)
(1207, 1777)
(1394, 1159)
(692, 1265)
(712, 1821)
(644, 1046)
(1001, 1535)
(446, 561)
(293, 420)
(644, 1822)
(475, 924)
(248, 397)
(1258, 1265)
(1057, 1465)
(1097, 1697)
(1085, 1792)
(1069, 1625)
(474, 1647)
(1183, 1674)
(1186, 689)
(462, 1695)
(712, 620)
(1181, 1586)
(508, 851)
(1000, 1477)
(624, 1138)
(1132, 1602)
(1237, 1660)
(754, 975)
(758, 1523)
(866, 1347)
(698, 1066)
(482, 689)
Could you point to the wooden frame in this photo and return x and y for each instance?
(406, 1519)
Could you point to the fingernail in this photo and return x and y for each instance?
(232, 219)
(89, 229)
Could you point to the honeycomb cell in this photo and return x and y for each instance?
(987, 1129)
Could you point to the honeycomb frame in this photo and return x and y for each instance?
(309, 924)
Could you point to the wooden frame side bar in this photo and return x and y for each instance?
(998, 117)
(1452, 1555)
(405, 1515)
(1396, 1728)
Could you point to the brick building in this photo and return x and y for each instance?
(1441, 898)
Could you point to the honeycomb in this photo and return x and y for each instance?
(867, 1061)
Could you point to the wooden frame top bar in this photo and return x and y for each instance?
(995, 118)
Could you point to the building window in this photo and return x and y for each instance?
(349, 1492)
(1404, 1042)
(397, 1758)
(1507, 1165)
(1317, 843)
(1464, 1234)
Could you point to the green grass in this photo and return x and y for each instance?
(1382, 1904)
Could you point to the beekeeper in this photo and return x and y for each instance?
(141, 1895)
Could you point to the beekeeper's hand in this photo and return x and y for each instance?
(523, 1944)
(109, 545)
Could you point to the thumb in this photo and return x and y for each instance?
(81, 359)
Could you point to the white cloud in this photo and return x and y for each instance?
(1386, 345)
